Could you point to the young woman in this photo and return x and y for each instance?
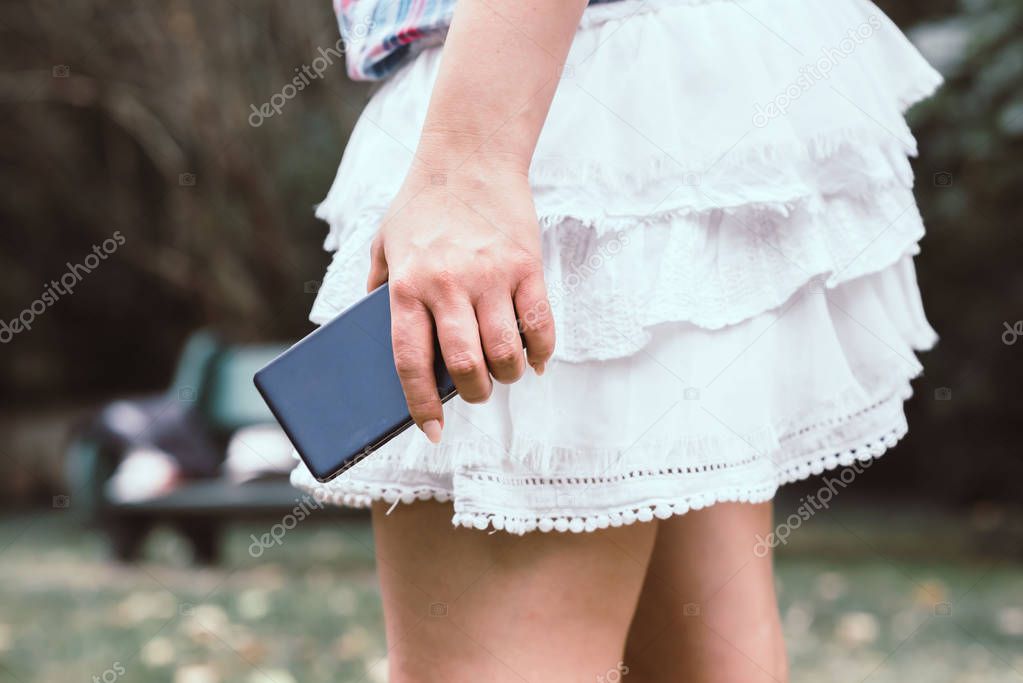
(708, 203)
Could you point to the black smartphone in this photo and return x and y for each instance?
(336, 392)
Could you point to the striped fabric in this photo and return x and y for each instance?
(380, 35)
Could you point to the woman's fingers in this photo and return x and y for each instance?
(502, 345)
(412, 341)
(475, 342)
(535, 320)
(459, 338)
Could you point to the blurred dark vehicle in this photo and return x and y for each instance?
(209, 402)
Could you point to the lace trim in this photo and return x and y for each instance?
(625, 515)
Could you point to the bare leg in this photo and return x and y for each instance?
(464, 605)
(708, 610)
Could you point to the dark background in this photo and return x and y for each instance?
(111, 110)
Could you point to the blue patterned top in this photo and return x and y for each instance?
(380, 35)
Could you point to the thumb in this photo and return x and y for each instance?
(377, 265)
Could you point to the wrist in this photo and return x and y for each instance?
(464, 166)
(465, 151)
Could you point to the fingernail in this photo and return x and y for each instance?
(539, 368)
(432, 430)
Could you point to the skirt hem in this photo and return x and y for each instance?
(641, 511)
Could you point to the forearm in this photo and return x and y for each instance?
(501, 66)
(463, 257)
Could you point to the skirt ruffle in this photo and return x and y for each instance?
(728, 231)
(745, 213)
(697, 417)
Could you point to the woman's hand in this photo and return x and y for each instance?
(460, 244)
(461, 252)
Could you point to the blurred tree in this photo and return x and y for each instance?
(969, 177)
(135, 118)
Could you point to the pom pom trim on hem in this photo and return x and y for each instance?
(643, 511)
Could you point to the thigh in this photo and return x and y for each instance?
(708, 610)
(465, 605)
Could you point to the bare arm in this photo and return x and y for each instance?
(501, 65)
(460, 244)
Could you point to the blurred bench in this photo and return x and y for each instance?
(210, 398)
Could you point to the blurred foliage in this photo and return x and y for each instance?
(108, 106)
(969, 179)
(112, 110)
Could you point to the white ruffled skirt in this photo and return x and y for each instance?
(728, 234)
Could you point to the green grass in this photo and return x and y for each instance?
(308, 611)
